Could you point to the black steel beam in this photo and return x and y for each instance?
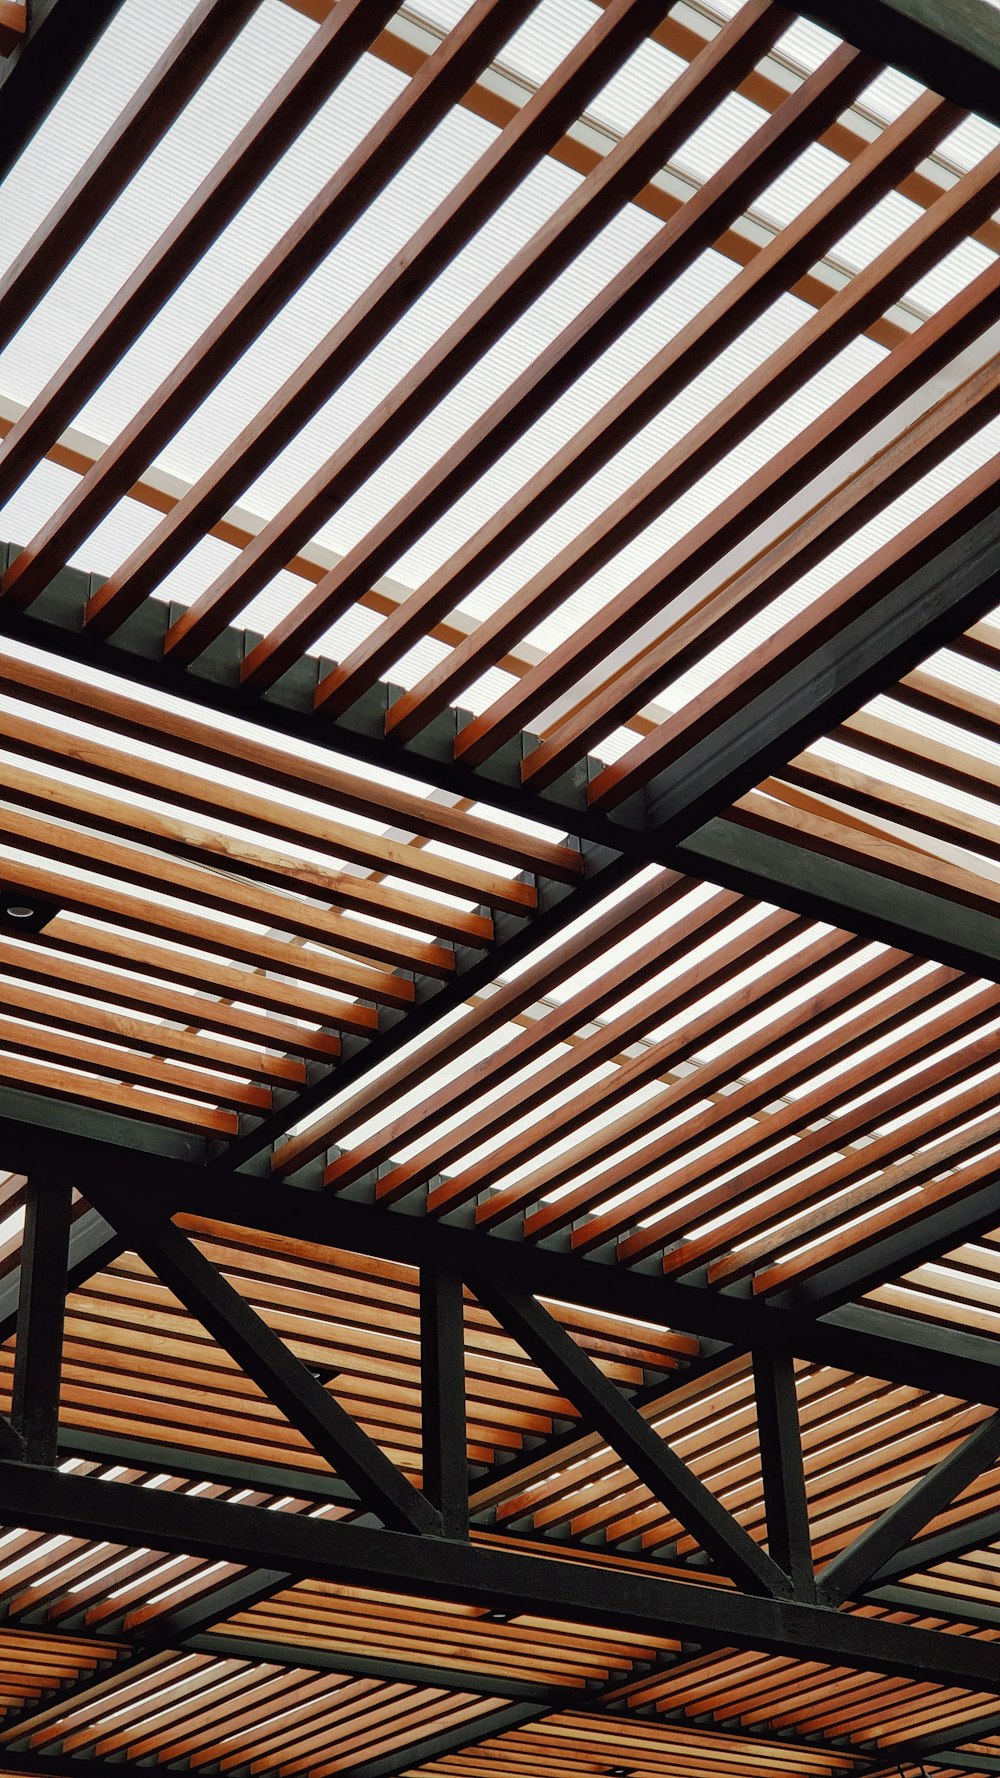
(60, 36)
(924, 1601)
(893, 1531)
(92, 1683)
(889, 1256)
(940, 1546)
(445, 1741)
(273, 1366)
(649, 1457)
(444, 1438)
(829, 681)
(937, 1745)
(825, 889)
(499, 1579)
(871, 1341)
(213, 685)
(952, 46)
(41, 1313)
(197, 1466)
(93, 1244)
(782, 1471)
(843, 893)
(516, 1470)
(371, 1664)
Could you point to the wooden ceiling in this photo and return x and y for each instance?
(499, 944)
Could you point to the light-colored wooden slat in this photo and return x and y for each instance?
(78, 1089)
(43, 960)
(184, 925)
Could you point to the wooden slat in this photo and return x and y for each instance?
(927, 240)
(190, 56)
(262, 816)
(77, 1089)
(529, 135)
(193, 738)
(401, 129)
(944, 429)
(221, 868)
(117, 863)
(43, 961)
(805, 969)
(116, 1063)
(700, 924)
(154, 1036)
(13, 24)
(775, 145)
(607, 927)
(687, 102)
(297, 95)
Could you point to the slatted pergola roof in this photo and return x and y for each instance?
(499, 888)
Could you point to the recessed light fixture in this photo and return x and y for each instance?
(20, 911)
(499, 1616)
(618, 1772)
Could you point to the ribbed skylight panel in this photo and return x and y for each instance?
(980, 808)
(730, 369)
(542, 42)
(264, 49)
(726, 130)
(973, 139)
(951, 275)
(216, 113)
(635, 87)
(794, 189)
(587, 397)
(117, 65)
(363, 254)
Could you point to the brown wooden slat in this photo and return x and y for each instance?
(78, 1089)
(920, 246)
(529, 135)
(61, 956)
(944, 429)
(774, 147)
(318, 965)
(191, 736)
(297, 95)
(221, 869)
(686, 103)
(151, 1035)
(607, 928)
(217, 803)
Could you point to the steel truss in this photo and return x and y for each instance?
(409, 1542)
